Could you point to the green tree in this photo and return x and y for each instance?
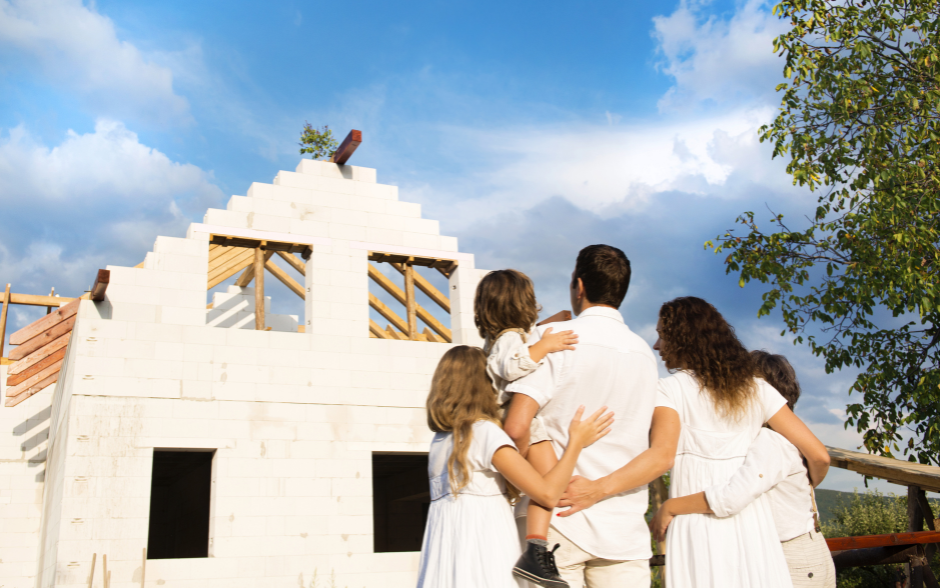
(318, 142)
(859, 123)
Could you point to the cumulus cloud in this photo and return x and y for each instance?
(95, 199)
(717, 60)
(78, 48)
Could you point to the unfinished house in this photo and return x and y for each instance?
(154, 436)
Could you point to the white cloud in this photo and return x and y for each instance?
(95, 199)
(78, 48)
(719, 60)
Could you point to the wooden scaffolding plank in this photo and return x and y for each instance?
(227, 262)
(3, 317)
(39, 354)
(388, 313)
(376, 331)
(35, 300)
(39, 366)
(894, 470)
(45, 323)
(43, 339)
(249, 274)
(294, 262)
(230, 270)
(285, 279)
(25, 385)
(38, 387)
(393, 334)
(225, 255)
(425, 286)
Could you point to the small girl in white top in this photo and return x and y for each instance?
(470, 540)
(775, 466)
(505, 311)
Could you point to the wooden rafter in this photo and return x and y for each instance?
(242, 260)
(37, 387)
(425, 286)
(50, 320)
(396, 292)
(393, 334)
(3, 317)
(54, 358)
(376, 331)
(294, 262)
(38, 355)
(432, 336)
(388, 313)
(225, 255)
(41, 340)
(285, 279)
(249, 274)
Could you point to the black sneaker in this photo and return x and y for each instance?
(537, 565)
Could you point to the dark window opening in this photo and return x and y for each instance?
(400, 500)
(179, 504)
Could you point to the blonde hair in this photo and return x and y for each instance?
(505, 299)
(461, 394)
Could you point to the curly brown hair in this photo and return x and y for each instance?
(778, 372)
(505, 299)
(695, 337)
(461, 394)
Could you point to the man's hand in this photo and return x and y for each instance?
(580, 494)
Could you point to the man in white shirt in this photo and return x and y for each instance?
(607, 544)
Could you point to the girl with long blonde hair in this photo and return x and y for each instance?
(470, 540)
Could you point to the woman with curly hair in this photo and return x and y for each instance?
(722, 407)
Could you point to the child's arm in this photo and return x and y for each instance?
(522, 409)
(691, 504)
(552, 342)
(547, 490)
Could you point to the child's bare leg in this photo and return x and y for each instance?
(538, 518)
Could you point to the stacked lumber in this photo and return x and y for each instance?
(40, 353)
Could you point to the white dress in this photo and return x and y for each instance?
(471, 539)
(704, 551)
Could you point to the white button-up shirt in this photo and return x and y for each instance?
(772, 465)
(612, 366)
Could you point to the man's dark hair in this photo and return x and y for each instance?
(605, 273)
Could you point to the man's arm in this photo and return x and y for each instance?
(519, 417)
(643, 469)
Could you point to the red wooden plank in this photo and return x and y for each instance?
(43, 339)
(101, 284)
(39, 355)
(36, 388)
(35, 379)
(46, 322)
(914, 538)
(347, 147)
(17, 379)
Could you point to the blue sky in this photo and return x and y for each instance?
(528, 129)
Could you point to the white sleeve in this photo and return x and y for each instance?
(488, 437)
(509, 359)
(770, 400)
(666, 391)
(766, 465)
(540, 385)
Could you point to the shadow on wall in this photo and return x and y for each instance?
(38, 437)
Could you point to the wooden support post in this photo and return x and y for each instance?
(91, 577)
(3, 317)
(915, 522)
(259, 288)
(104, 569)
(658, 495)
(410, 303)
(143, 569)
(51, 293)
(347, 147)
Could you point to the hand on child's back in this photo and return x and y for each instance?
(586, 432)
(560, 341)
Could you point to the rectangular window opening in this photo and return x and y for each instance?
(180, 490)
(400, 500)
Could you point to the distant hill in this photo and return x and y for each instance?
(827, 501)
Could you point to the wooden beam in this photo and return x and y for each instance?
(376, 331)
(891, 539)
(39, 355)
(294, 262)
(393, 334)
(249, 274)
(139, 265)
(25, 385)
(47, 322)
(35, 300)
(390, 287)
(38, 387)
(225, 257)
(906, 473)
(259, 288)
(44, 338)
(387, 312)
(230, 269)
(3, 317)
(101, 285)
(347, 147)
(425, 286)
(285, 279)
(410, 302)
(39, 366)
(432, 336)
(51, 293)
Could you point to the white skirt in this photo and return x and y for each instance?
(470, 542)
